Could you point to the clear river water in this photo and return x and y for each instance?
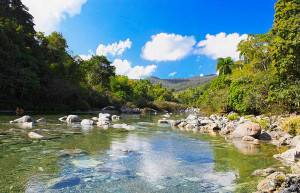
(162, 159)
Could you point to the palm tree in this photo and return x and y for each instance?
(224, 65)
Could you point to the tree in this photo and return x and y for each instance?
(98, 70)
(286, 43)
(224, 65)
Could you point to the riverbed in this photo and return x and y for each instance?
(152, 158)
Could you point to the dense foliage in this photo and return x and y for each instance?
(266, 79)
(37, 72)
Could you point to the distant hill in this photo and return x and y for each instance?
(183, 83)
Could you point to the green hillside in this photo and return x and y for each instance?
(180, 84)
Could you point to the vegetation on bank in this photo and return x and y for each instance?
(38, 72)
(266, 79)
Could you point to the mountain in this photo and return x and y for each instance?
(182, 83)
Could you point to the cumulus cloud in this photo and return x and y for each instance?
(49, 13)
(168, 47)
(172, 74)
(220, 45)
(87, 57)
(123, 67)
(114, 48)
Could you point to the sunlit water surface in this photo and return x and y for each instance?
(162, 159)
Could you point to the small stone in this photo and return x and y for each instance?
(34, 135)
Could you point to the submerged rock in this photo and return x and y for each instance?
(41, 120)
(34, 135)
(248, 138)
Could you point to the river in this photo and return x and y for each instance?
(152, 158)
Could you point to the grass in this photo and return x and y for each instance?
(292, 125)
(233, 117)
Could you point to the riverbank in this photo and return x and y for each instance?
(252, 131)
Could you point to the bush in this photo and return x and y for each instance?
(292, 124)
(233, 117)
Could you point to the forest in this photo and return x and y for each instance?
(39, 72)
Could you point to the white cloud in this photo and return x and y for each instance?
(172, 74)
(114, 49)
(168, 47)
(87, 57)
(220, 45)
(201, 75)
(123, 67)
(49, 13)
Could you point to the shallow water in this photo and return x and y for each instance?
(162, 159)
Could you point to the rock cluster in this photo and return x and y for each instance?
(126, 109)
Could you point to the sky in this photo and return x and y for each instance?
(162, 38)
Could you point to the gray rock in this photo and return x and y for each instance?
(73, 118)
(264, 172)
(41, 120)
(249, 128)
(289, 156)
(115, 118)
(24, 119)
(265, 136)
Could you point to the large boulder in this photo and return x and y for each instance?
(249, 128)
(73, 118)
(24, 119)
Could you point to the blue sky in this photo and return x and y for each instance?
(169, 31)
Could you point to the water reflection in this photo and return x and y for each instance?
(153, 158)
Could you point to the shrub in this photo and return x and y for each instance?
(292, 124)
(233, 117)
